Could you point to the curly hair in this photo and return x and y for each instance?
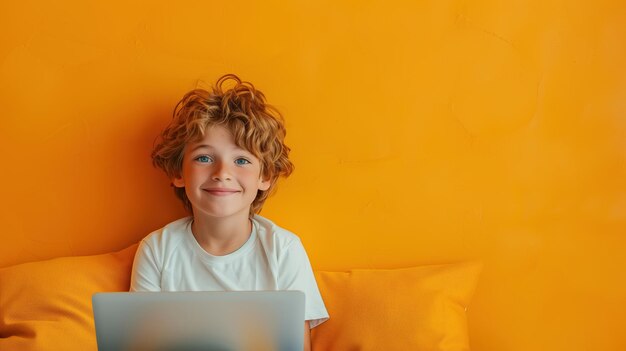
(255, 125)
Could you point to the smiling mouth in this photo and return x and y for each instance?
(221, 192)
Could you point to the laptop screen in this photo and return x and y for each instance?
(189, 321)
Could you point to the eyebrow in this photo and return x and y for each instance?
(201, 146)
(208, 146)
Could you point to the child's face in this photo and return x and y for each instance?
(220, 178)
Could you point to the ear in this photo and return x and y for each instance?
(265, 184)
(178, 182)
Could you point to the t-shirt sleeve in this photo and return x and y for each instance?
(296, 274)
(146, 274)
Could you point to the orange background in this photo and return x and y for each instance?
(422, 132)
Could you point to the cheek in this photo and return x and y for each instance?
(192, 174)
(250, 172)
(252, 177)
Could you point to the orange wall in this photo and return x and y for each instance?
(422, 132)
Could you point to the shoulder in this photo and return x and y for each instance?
(168, 237)
(274, 237)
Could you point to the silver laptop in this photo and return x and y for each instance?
(194, 321)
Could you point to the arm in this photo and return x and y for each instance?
(307, 336)
(146, 275)
(296, 273)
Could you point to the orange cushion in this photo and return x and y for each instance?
(46, 305)
(420, 308)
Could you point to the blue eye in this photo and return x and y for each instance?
(203, 159)
(241, 161)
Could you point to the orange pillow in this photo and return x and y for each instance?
(46, 305)
(421, 308)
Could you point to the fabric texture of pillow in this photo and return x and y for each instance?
(46, 305)
(421, 308)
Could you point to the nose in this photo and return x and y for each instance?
(220, 172)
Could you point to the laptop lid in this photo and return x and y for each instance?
(190, 321)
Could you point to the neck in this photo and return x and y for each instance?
(221, 236)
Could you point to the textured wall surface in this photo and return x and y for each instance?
(422, 132)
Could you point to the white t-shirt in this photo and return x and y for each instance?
(170, 259)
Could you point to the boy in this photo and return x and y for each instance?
(224, 151)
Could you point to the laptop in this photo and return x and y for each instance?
(193, 321)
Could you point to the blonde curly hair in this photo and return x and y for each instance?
(255, 125)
